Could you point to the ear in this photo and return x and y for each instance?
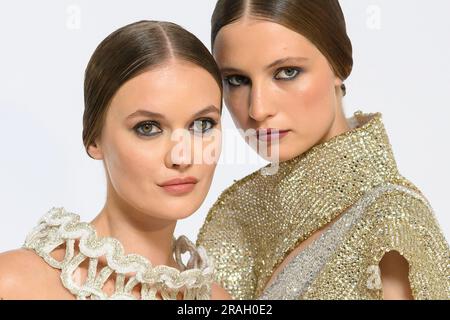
(95, 151)
(338, 81)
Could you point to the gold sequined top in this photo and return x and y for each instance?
(352, 180)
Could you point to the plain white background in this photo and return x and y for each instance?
(402, 69)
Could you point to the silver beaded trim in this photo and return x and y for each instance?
(297, 276)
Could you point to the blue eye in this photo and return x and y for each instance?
(236, 81)
(287, 74)
(203, 125)
(147, 129)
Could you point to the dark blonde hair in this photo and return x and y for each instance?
(128, 52)
(321, 21)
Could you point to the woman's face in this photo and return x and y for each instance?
(275, 78)
(162, 125)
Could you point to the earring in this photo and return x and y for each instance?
(344, 90)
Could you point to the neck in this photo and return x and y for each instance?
(338, 127)
(137, 231)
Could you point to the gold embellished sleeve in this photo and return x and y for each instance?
(224, 238)
(408, 226)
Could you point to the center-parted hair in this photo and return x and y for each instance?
(321, 21)
(128, 52)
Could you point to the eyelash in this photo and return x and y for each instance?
(247, 80)
(150, 123)
(228, 80)
(213, 123)
(297, 70)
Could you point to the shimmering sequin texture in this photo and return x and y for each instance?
(130, 271)
(260, 219)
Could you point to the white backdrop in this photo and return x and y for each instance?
(402, 69)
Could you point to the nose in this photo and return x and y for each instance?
(259, 106)
(179, 154)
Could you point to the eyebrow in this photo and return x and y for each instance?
(284, 60)
(271, 65)
(157, 115)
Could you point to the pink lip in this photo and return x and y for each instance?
(271, 134)
(179, 186)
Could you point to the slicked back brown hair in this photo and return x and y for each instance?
(321, 21)
(128, 52)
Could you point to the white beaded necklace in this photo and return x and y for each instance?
(59, 227)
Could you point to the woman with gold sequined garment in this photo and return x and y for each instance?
(330, 217)
(143, 81)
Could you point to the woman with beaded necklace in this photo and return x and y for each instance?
(144, 82)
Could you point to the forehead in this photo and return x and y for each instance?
(250, 41)
(175, 88)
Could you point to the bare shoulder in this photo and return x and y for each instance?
(21, 271)
(219, 293)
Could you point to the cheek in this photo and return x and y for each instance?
(130, 164)
(311, 103)
(237, 103)
(206, 151)
(207, 174)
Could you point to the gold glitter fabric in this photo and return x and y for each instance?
(351, 180)
(130, 271)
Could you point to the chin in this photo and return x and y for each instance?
(180, 208)
(285, 153)
(171, 214)
(286, 156)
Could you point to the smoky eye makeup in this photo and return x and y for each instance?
(287, 73)
(284, 74)
(147, 128)
(236, 80)
(203, 125)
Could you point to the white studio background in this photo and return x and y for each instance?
(402, 69)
